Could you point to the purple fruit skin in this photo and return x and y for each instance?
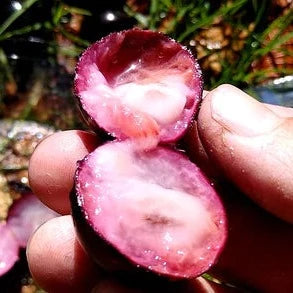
(197, 86)
(98, 247)
(103, 252)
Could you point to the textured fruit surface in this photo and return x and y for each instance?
(139, 84)
(155, 208)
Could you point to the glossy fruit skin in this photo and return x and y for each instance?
(142, 45)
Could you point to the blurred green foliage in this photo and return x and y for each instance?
(184, 20)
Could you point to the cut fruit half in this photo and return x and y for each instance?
(139, 84)
(151, 210)
(9, 249)
(25, 216)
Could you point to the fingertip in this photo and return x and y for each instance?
(251, 145)
(56, 260)
(53, 163)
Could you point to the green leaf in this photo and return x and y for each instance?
(74, 38)
(58, 12)
(260, 76)
(72, 51)
(5, 67)
(77, 10)
(25, 6)
(276, 42)
(178, 18)
(208, 20)
(153, 14)
(142, 20)
(279, 24)
(24, 30)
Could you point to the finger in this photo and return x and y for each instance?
(198, 285)
(197, 152)
(56, 260)
(280, 110)
(258, 253)
(53, 164)
(58, 264)
(251, 145)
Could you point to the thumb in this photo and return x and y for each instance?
(252, 144)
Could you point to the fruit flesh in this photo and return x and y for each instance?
(9, 248)
(137, 205)
(128, 78)
(25, 216)
(135, 201)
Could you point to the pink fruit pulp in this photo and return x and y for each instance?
(25, 216)
(9, 249)
(125, 81)
(155, 208)
(137, 205)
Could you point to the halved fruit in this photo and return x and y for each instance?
(149, 210)
(139, 84)
(25, 216)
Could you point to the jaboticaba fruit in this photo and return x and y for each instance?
(138, 205)
(154, 209)
(137, 84)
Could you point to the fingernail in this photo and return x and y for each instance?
(241, 114)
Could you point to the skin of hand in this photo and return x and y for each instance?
(246, 145)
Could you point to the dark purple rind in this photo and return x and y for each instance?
(96, 246)
(102, 252)
(105, 254)
(197, 77)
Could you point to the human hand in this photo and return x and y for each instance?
(251, 145)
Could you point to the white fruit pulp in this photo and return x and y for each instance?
(152, 98)
(155, 226)
(149, 94)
